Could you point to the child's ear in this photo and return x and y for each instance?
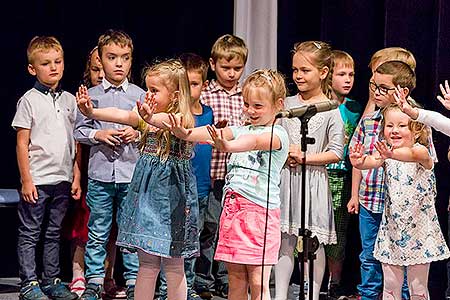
(212, 64)
(279, 103)
(205, 84)
(405, 91)
(324, 73)
(175, 95)
(31, 70)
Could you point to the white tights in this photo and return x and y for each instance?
(149, 266)
(285, 266)
(417, 281)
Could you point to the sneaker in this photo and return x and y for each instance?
(32, 291)
(192, 295)
(58, 291)
(93, 291)
(113, 291)
(130, 292)
(78, 285)
(205, 294)
(336, 291)
(222, 290)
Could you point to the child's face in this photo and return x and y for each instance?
(96, 69)
(163, 97)
(259, 107)
(383, 89)
(116, 61)
(48, 67)
(342, 80)
(396, 129)
(196, 84)
(227, 72)
(306, 76)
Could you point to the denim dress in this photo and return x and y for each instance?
(160, 213)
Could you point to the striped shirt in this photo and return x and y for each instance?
(225, 106)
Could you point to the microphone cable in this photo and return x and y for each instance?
(267, 211)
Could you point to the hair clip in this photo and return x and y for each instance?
(317, 45)
(267, 77)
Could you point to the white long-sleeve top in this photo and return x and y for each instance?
(434, 119)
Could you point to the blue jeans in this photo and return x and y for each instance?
(189, 263)
(204, 279)
(102, 198)
(45, 215)
(371, 273)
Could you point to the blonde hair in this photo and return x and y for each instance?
(393, 53)
(229, 47)
(418, 129)
(343, 58)
(272, 81)
(117, 37)
(42, 43)
(322, 57)
(173, 75)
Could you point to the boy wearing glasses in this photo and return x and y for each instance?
(372, 190)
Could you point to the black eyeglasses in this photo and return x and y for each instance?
(383, 90)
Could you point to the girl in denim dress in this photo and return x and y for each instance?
(159, 218)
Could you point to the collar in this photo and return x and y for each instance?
(47, 90)
(376, 115)
(214, 86)
(108, 85)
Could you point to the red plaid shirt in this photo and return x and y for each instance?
(225, 106)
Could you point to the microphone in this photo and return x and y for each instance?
(310, 109)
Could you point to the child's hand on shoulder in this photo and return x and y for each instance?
(176, 126)
(29, 192)
(402, 102)
(445, 98)
(84, 101)
(147, 108)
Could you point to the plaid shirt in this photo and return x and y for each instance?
(372, 190)
(225, 106)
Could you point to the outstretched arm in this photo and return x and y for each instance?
(408, 154)
(243, 143)
(108, 114)
(363, 161)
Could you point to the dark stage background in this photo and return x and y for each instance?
(162, 29)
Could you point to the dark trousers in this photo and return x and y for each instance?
(44, 216)
(205, 278)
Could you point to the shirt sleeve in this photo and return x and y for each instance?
(85, 128)
(336, 135)
(24, 114)
(435, 120)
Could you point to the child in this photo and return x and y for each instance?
(249, 206)
(197, 70)
(44, 121)
(339, 174)
(224, 96)
(372, 191)
(409, 233)
(112, 158)
(79, 215)
(312, 66)
(159, 217)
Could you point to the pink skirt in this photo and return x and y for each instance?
(241, 232)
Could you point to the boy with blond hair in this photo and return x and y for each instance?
(340, 173)
(44, 121)
(224, 96)
(113, 155)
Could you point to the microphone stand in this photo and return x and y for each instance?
(310, 244)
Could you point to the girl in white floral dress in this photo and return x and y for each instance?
(409, 233)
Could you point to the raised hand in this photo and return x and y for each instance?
(383, 149)
(218, 141)
(176, 126)
(445, 98)
(84, 101)
(402, 102)
(147, 108)
(357, 155)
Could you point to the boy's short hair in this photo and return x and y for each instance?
(342, 58)
(196, 63)
(393, 53)
(229, 46)
(402, 73)
(42, 43)
(117, 37)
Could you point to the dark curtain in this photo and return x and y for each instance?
(361, 28)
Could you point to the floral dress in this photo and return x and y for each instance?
(409, 233)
